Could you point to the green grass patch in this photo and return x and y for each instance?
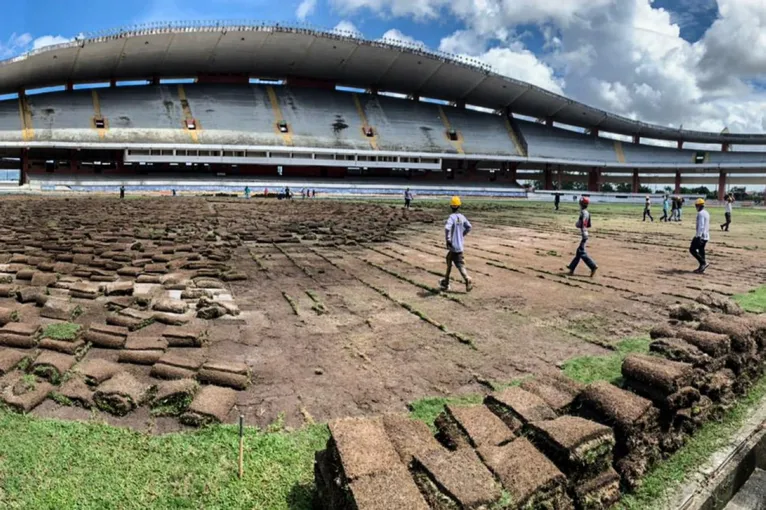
(52, 464)
(753, 301)
(427, 409)
(63, 331)
(667, 475)
(588, 369)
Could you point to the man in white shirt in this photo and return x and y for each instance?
(701, 237)
(728, 200)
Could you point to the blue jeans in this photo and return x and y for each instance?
(582, 255)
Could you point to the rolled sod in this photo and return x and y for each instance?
(579, 447)
(516, 406)
(96, 371)
(129, 271)
(78, 392)
(719, 386)
(171, 306)
(212, 404)
(558, 391)
(83, 290)
(361, 447)
(156, 269)
(19, 334)
(691, 418)
(689, 312)
(599, 492)
(10, 359)
(117, 303)
(455, 479)
(663, 331)
(127, 321)
(383, 491)
(140, 356)
(121, 394)
(148, 278)
(60, 309)
(52, 365)
(330, 492)
(471, 426)
(172, 319)
(720, 303)
(107, 337)
(41, 279)
(31, 295)
(193, 294)
(531, 479)
(8, 315)
(654, 377)
(25, 274)
(715, 345)
(676, 349)
(738, 329)
(76, 348)
(22, 394)
(225, 373)
(409, 437)
(177, 365)
(173, 397)
(185, 336)
(8, 291)
(685, 397)
(123, 288)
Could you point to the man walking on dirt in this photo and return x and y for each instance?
(701, 237)
(122, 191)
(407, 198)
(648, 208)
(556, 200)
(455, 230)
(728, 201)
(583, 223)
(665, 208)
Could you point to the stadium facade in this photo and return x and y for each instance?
(247, 100)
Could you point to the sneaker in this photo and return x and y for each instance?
(703, 268)
(444, 285)
(593, 272)
(468, 285)
(570, 271)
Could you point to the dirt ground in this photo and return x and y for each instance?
(339, 315)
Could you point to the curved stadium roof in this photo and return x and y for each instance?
(189, 49)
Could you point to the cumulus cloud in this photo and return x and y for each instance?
(306, 9)
(49, 40)
(345, 27)
(16, 43)
(395, 36)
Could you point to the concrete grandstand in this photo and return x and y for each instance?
(241, 101)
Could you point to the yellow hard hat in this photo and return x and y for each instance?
(455, 202)
(700, 201)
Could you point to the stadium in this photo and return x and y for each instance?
(222, 348)
(274, 101)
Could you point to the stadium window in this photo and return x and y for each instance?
(369, 132)
(279, 170)
(282, 125)
(699, 157)
(191, 124)
(99, 122)
(452, 134)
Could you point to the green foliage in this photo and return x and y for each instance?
(587, 369)
(427, 409)
(754, 301)
(62, 331)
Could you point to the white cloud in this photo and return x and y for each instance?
(345, 27)
(521, 64)
(16, 44)
(49, 40)
(306, 9)
(395, 36)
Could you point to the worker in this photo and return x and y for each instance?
(701, 237)
(681, 202)
(728, 201)
(122, 191)
(674, 209)
(407, 198)
(665, 208)
(455, 230)
(648, 208)
(583, 223)
(556, 200)
(247, 192)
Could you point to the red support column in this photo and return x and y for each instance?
(512, 167)
(636, 139)
(721, 185)
(594, 132)
(725, 147)
(70, 86)
(548, 177)
(680, 144)
(594, 180)
(155, 80)
(549, 122)
(74, 163)
(678, 182)
(560, 178)
(636, 182)
(113, 83)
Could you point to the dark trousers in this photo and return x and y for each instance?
(582, 255)
(647, 212)
(697, 249)
(407, 203)
(556, 203)
(725, 226)
(664, 215)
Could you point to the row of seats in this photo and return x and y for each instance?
(246, 115)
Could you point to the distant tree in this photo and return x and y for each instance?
(645, 189)
(607, 188)
(668, 189)
(624, 187)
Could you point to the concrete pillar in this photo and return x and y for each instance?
(680, 144)
(155, 80)
(725, 147)
(594, 180)
(594, 132)
(70, 86)
(113, 83)
(721, 185)
(416, 97)
(24, 167)
(512, 167)
(549, 122)
(636, 139)
(374, 91)
(678, 182)
(548, 175)
(636, 182)
(74, 161)
(460, 104)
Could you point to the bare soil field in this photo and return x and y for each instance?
(313, 310)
